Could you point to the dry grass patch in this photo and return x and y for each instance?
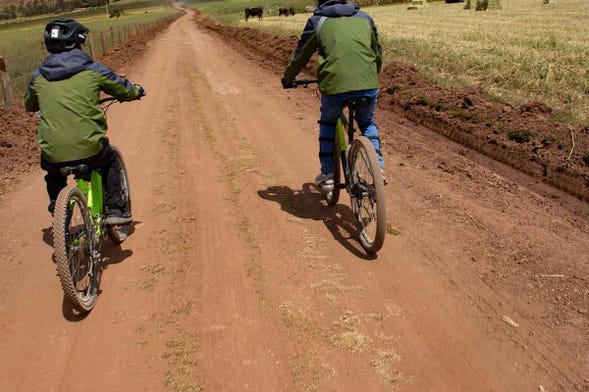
(519, 50)
(524, 51)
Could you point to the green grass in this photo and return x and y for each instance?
(525, 51)
(21, 42)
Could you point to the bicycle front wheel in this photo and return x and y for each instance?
(120, 232)
(367, 194)
(74, 249)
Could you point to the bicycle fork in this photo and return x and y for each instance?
(343, 147)
(342, 126)
(94, 207)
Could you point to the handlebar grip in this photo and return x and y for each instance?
(304, 82)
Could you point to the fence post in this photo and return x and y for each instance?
(6, 89)
(102, 42)
(91, 42)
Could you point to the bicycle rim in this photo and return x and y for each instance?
(120, 232)
(367, 194)
(74, 246)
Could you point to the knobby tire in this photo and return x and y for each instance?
(120, 232)
(74, 247)
(369, 209)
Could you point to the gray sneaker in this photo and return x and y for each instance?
(324, 182)
(116, 217)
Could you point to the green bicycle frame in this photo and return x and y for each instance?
(341, 128)
(93, 192)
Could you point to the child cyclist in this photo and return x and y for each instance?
(350, 58)
(66, 89)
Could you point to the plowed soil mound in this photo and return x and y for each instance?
(525, 137)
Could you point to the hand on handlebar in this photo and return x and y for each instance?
(140, 90)
(286, 84)
(296, 83)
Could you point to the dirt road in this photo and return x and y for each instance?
(238, 278)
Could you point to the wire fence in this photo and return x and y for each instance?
(16, 71)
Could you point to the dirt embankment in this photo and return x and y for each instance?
(524, 137)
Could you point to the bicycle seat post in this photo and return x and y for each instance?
(350, 106)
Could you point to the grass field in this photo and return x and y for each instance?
(231, 11)
(21, 42)
(525, 51)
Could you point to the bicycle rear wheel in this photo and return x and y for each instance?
(332, 197)
(367, 194)
(120, 233)
(74, 249)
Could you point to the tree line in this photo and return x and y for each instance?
(40, 7)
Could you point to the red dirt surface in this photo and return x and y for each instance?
(238, 277)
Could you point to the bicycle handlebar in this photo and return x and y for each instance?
(303, 82)
(113, 99)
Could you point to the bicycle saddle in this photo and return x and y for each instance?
(356, 102)
(79, 171)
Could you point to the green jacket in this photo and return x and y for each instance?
(66, 89)
(346, 39)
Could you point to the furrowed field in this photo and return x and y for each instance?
(523, 52)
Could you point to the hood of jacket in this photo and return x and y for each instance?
(336, 8)
(63, 65)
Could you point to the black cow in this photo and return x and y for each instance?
(291, 11)
(254, 11)
(282, 12)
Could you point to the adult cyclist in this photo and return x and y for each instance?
(350, 58)
(66, 89)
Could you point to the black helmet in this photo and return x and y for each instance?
(63, 35)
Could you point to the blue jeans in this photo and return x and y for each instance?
(331, 110)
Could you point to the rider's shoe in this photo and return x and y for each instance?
(116, 217)
(120, 235)
(324, 182)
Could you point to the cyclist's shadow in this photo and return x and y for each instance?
(111, 251)
(308, 203)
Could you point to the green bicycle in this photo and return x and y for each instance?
(362, 177)
(79, 229)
